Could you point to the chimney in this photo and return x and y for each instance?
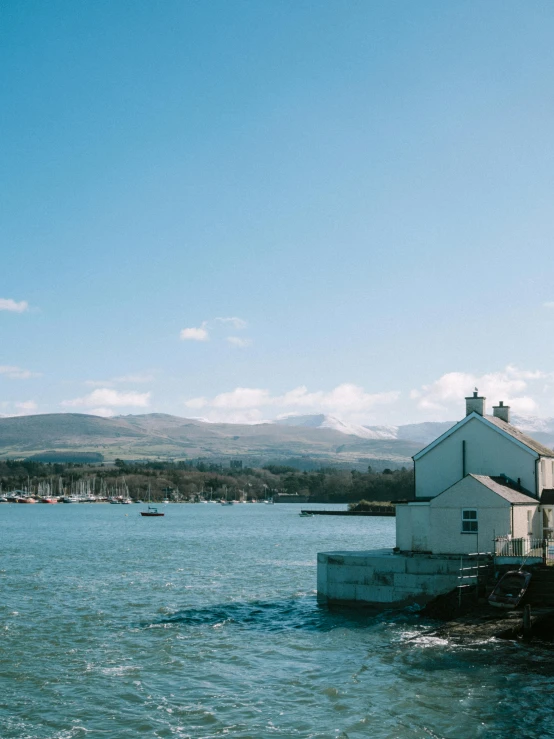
(475, 403)
(501, 411)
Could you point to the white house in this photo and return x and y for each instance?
(481, 480)
(480, 487)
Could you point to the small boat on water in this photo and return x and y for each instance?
(151, 511)
(306, 514)
(510, 589)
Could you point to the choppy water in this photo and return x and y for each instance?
(205, 624)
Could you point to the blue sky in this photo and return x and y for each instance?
(362, 190)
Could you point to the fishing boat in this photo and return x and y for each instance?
(510, 589)
(306, 514)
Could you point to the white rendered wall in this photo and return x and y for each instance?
(546, 473)
(520, 521)
(488, 452)
(412, 527)
(494, 518)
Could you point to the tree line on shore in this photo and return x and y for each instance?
(186, 480)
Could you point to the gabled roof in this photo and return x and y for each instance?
(533, 444)
(497, 485)
(506, 429)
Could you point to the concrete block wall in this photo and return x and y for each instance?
(384, 578)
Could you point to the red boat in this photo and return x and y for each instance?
(510, 589)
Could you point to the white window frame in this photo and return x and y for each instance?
(469, 520)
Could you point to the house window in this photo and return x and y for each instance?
(469, 521)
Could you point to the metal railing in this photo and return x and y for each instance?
(525, 546)
(476, 571)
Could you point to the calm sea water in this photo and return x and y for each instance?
(205, 624)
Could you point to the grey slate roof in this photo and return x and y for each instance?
(501, 487)
(536, 446)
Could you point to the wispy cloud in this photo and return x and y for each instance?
(195, 334)
(17, 373)
(106, 397)
(13, 306)
(27, 406)
(239, 341)
(548, 304)
(124, 379)
(203, 332)
(11, 408)
(233, 321)
(248, 405)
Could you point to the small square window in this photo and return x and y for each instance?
(469, 521)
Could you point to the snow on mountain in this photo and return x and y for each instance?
(424, 433)
(530, 424)
(323, 421)
(418, 432)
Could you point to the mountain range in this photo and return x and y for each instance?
(310, 440)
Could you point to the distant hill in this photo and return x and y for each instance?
(541, 429)
(313, 439)
(422, 433)
(158, 435)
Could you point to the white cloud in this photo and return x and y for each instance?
(548, 304)
(242, 397)
(239, 341)
(13, 306)
(103, 398)
(27, 406)
(197, 403)
(202, 332)
(242, 403)
(15, 408)
(17, 373)
(105, 412)
(444, 397)
(233, 321)
(195, 334)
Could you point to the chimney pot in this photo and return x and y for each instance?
(501, 411)
(475, 404)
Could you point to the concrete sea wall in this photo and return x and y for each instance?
(384, 578)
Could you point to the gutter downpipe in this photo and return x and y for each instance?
(537, 461)
(463, 458)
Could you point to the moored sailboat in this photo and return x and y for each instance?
(151, 511)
